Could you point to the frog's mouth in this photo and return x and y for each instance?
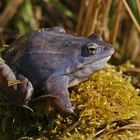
(99, 61)
(95, 65)
(104, 59)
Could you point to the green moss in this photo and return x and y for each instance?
(105, 103)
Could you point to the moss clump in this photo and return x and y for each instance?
(107, 104)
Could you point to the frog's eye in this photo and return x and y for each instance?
(89, 49)
(92, 49)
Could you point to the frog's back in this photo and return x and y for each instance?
(39, 54)
(33, 40)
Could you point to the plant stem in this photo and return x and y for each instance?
(117, 22)
(131, 15)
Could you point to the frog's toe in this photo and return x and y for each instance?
(69, 110)
(65, 110)
(62, 104)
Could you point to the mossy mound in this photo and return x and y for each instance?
(107, 105)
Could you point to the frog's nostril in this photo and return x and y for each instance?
(106, 48)
(109, 49)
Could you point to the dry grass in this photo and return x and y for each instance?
(116, 21)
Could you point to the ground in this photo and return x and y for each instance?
(107, 107)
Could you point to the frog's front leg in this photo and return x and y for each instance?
(57, 86)
(16, 93)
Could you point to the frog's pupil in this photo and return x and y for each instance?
(92, 49)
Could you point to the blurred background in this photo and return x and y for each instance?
(117, 21)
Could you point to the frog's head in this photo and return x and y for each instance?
(96, 53)
(90, 57)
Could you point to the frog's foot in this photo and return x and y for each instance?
(57, 86)
(6, 75)
(16, 91)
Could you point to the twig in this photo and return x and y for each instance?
(105, 16)
(117, 22)
(13, 82)
(88, 17)
(28, 108)
(99, 132)
(24, 138)
(80, 17)
(69, 129)
(138, 5)
(135, 70)
(131, 15)
(8, 13)
(43, 97)
(94, 20)
(127, 127)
